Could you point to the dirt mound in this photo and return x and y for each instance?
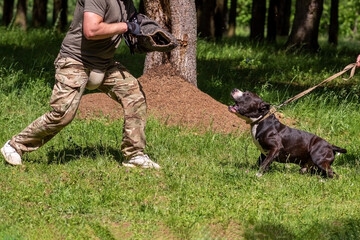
(173, 101)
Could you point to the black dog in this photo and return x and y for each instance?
(281, 143)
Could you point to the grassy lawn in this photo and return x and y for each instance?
(75, 188)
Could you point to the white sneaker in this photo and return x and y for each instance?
(142, 161)
(10, 154)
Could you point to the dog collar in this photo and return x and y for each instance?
(268, 114)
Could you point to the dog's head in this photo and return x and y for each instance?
(248, 105)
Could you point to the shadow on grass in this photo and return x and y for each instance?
(348, 229)
(348, 159)
(340, 229)
(268, 231)
(75, 152)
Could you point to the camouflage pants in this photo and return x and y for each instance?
(71, 79)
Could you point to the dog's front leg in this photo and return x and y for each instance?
(264, 166)
(261, 159)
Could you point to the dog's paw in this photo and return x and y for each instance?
(259, 174)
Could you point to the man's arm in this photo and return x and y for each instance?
(94, 28)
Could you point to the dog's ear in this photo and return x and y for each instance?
(264, 106)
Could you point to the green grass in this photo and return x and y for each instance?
(74, 187)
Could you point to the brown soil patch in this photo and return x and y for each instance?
(173, 101)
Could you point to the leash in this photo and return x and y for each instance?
(274, 109)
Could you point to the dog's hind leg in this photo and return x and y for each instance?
(324, 164)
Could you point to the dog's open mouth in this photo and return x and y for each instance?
(232, 109)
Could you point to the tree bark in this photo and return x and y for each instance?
(8, 12)
(21, 13)
(232, 19)
(160, 12)
(257, 25)
(179, 18)
(334, 22)
(183, 19)
(60, 14)
(305, 28)
(39, 13)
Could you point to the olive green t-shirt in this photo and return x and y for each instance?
(95, 54)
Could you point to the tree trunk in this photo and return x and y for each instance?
(305, 28)
(283, 18)
(39, 13)
(257, 26)
(232, 19)
(334, 22)
(183, 20)
(272, 23)
(178, 17)
(60, 14)
(206, 18)
(220, 18)
(8, 12)
(20, 17)
(160, 12)
(278, 19)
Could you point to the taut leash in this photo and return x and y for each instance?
(274, 109)
(351, 66)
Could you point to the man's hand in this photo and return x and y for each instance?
(358, 61)
(133, 28)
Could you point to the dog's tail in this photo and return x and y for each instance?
(338, 150)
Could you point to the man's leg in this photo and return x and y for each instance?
(64, 101)
(121, 86)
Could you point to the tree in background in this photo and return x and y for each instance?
(257, 25)
(278, 23)
(283, 18)
(214, 18)
(334, 22)
(273, 18)
(232, 18)
(205, 18)
(305, 30)
(220, 18)
(179, 18)
(39, 13)
(20, 17)
(211, 18)
(60, 14)
(8, 10)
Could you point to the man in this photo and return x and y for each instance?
(86, 60)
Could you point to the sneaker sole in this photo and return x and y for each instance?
(130, 165)
(11, 163)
